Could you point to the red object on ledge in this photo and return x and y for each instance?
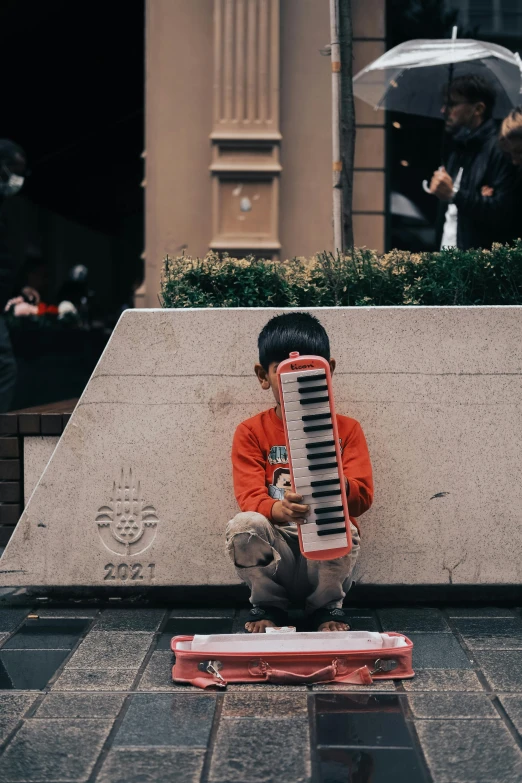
(44, 309)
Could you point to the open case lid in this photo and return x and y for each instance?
(341, 641)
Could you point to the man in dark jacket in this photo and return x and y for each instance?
(475, 188)
(12, 172)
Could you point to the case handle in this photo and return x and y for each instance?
(330, 673)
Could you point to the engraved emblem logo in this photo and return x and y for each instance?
(127, 525)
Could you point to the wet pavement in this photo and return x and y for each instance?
(86, 695)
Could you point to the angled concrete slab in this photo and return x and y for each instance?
(139, 488)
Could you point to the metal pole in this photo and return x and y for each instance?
(336, 122)
(451, 68)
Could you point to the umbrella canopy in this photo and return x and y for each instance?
(413, 77)
(403, 206)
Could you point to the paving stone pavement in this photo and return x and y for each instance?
(86, 696)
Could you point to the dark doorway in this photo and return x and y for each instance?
(73, 97)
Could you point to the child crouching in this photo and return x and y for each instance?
(262, 540)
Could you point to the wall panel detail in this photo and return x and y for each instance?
(245, 134)
(369, 197)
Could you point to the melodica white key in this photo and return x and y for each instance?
(314, 455)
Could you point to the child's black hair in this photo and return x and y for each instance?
(300, 332)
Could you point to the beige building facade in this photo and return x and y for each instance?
(238, 130)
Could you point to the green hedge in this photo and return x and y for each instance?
(450, 277)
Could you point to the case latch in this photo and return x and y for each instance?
(213, 667)
(386, 665)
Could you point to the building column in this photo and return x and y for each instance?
(245, 133)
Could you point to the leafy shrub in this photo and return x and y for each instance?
(449, 277)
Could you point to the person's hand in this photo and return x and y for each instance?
(486, 191)
(24, 308)
(290, 509)
(441, 185)
(12, 302)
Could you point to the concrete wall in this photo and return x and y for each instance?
(38, 451)
(438, 394)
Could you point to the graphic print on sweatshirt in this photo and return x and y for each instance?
(281, 483)
(278, 455)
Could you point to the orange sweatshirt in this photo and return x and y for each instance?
(260, 464)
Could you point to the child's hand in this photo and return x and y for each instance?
(290, 509)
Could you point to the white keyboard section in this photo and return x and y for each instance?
(313, 458)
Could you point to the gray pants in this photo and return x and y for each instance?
(268, 559)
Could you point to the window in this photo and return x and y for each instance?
(481, 15)
(511, 11)
(489, 17)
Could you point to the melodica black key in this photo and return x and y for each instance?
(311, 378)
(314, 455)
(318, 428)
(313, 400)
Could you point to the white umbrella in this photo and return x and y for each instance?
(414, 76)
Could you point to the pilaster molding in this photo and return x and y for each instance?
(245, 134)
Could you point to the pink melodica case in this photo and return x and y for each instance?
(283, 657)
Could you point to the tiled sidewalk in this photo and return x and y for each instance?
(86, 695)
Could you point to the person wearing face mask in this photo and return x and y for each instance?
(476, 187)
(13, 167)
